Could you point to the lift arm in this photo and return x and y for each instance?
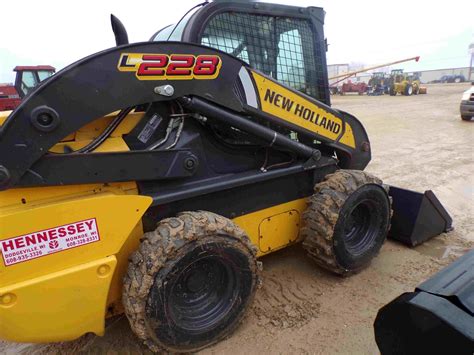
(135, 74)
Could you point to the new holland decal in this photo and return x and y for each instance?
(148, 66)
(293, 108)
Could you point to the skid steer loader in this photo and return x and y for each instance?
(148, 178)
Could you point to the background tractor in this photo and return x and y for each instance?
(403, 84)
(378, 84)
(153, 176)
(27, 78)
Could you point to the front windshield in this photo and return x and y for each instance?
(44, 74)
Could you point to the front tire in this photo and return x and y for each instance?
(347, 221)
(408, 90)
(190, 282)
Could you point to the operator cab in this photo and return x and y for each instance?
(28, 77)
(284, 42)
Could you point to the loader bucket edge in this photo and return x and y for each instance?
(436, 318)
(417, 217)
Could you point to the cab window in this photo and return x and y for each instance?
(28, 81)
(281, 47)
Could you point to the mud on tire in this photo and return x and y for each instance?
(346, 221)
(190, 282)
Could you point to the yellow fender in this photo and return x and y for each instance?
(63, 263)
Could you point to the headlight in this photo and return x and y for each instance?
(466, 96)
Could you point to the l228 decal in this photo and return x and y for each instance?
(148, 66)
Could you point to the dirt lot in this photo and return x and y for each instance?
(419, 143)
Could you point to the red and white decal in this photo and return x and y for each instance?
(49, 241)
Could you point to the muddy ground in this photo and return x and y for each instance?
(418, 142)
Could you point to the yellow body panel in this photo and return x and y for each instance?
(57, 306)
(3, 116)
(348, 136)
(279, 230)
(283, 229)
(116, 216)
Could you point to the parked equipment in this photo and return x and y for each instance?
(404, 84)
(359, 88)
(353, 73)
(378, 84)
(437, 318)
(150, 176)
(334, 89)
(27, 78)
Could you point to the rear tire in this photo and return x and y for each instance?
(466, 118)
(392, 91)
(347, 221)
(408, 90)
(190, 282)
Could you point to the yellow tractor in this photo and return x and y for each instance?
(403, 84)
(149, 178)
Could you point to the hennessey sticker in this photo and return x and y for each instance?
(48, 241)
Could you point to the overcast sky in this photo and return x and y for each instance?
(365, 31)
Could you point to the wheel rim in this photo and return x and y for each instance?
(361, 227)
(202, 294)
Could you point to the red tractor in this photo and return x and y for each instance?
(360, 88)
(27, 78)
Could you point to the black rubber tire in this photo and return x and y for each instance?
(346, 198)
(408, 90)
(466, 118)
(392, 91)
(190, 282)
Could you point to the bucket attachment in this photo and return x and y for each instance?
(417, 217)
(438, 318)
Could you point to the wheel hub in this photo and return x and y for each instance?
(359, 228)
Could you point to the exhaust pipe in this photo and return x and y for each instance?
(121, 36)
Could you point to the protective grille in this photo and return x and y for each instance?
(277, 46)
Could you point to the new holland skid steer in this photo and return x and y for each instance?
(148, 178)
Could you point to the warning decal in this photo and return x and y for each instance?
(34, 245)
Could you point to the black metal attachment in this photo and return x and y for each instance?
(417, 217)
(438, 318)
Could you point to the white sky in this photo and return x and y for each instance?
(365, 31)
